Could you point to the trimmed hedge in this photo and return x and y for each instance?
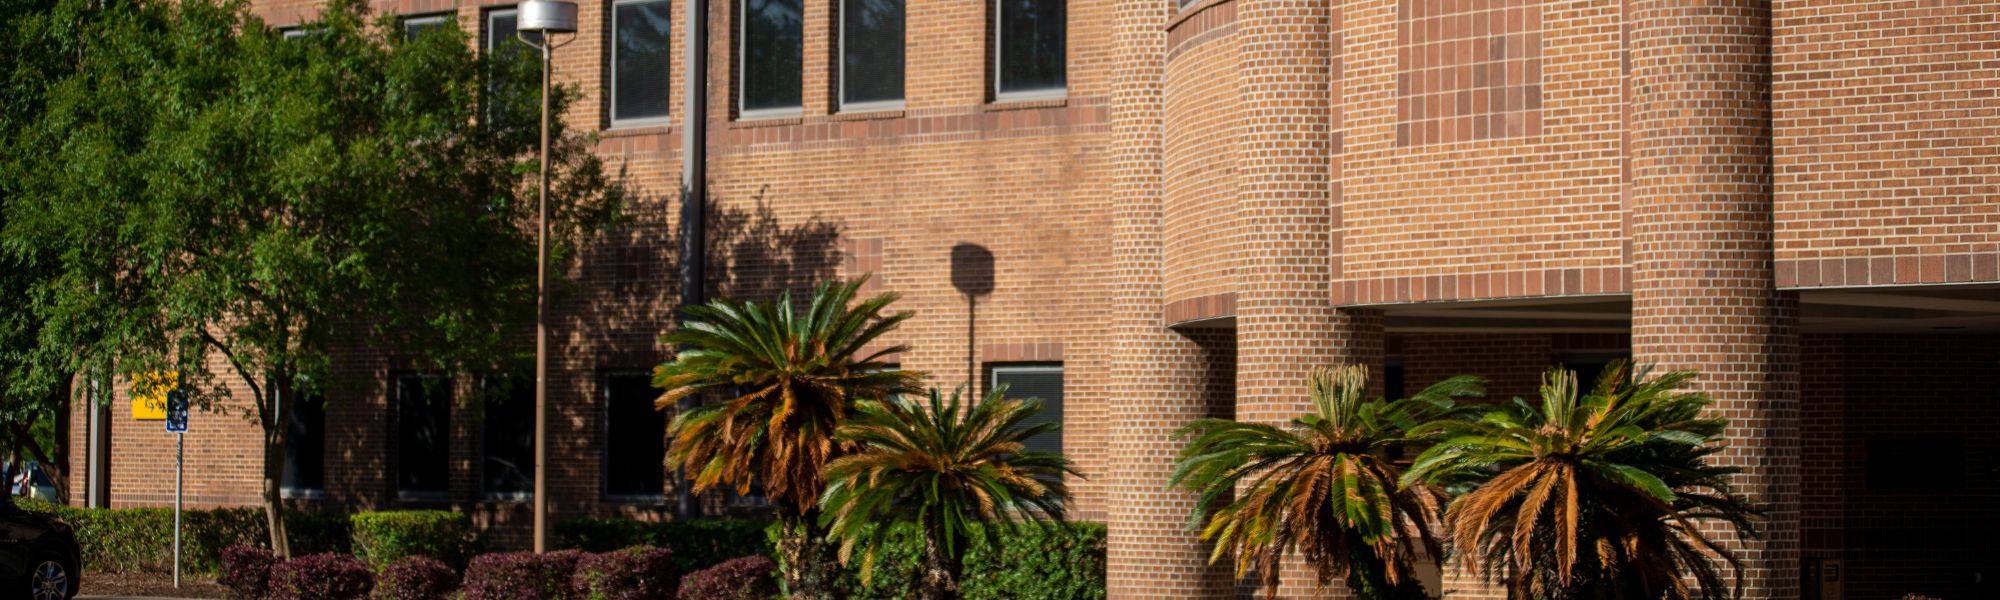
(696, 543)
(138, 540)
(416, 578)
(631, 574)
(381, 538)
(746, 578)
(321, 577)
(1063, 562)
(521, 576)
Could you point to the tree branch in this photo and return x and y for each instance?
(256, 391)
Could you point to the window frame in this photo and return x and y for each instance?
(438, 19)
(293, 492)
(1000, 57)
(404, 495)
(840, 103)
(743, 111)
(604, 451)
(611, 86)
(993, 371)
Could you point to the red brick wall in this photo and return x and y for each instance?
(1205, 249)
(1885, 138)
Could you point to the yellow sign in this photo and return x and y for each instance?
(150, 400)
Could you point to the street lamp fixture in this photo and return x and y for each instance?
(543, 17)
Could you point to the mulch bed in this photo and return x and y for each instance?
(149, 584)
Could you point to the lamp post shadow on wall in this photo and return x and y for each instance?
(543, 18)
(972, 275)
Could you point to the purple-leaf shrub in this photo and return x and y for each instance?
(746, 578)
(321, 577)
(521, 576)
(416, 578)
(246, 571)
(641, 573)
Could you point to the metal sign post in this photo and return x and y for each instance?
(177, 424)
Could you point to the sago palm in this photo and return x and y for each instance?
(1322, 486)
(1593, 496)
(792, 378)
(944, 468)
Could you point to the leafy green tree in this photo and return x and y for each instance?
(1323, 487)
(792, 379)
(215, 200)
(946, 468)
(1593, 496)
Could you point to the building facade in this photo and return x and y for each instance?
(1154, 212)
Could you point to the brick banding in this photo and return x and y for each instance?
(1836, 272)
(1484, 286)
(1204, 308)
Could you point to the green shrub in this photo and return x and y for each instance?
(140, 540)
(696, 543)
(381, 538)
(1060, 563)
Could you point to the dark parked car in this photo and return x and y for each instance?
(38, 556)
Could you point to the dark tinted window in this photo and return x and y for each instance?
(1030, 45)
(305, 444)
(871, 51)
(635, 448)
(1043, 382)
(640, 59)
(773, 54)
(423, 434)
(508, 435)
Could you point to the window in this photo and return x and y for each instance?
(414, 27)
(293, 33)
(1029, 56)
(1929, 463)
(871, 54)
(772, 57)
(1035, 381)
(640, 60)
(513, 89)
(423, 435)
(635, 438)
(305, 446)
(508, 436)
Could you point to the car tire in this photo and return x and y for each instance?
(51, 579)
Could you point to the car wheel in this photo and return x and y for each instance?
(50, 581)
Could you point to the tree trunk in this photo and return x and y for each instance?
(275, 429)
(940, 569)
(810, 564)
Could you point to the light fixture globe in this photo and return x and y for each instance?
(548, 16)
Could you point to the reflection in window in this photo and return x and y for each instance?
(871, 52)
(1030, 59)
(508, 436)
(640, 59)
(773, 55)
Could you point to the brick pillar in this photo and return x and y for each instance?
(1159, 378)
(1286, 321)
(1703, 293)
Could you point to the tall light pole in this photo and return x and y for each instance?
(543, 17)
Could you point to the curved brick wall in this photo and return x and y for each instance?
(1202, 94)
(1480, 137)
(1886, 135)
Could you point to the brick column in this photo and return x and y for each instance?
(1286, 321)
(1159, 378)
(1703, 293)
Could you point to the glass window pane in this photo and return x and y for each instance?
(1042, 382)
(305, 444)
(414, 27)
(635, 437)
(640, 60)
(423, 434)
(1032, 53)
(773, 53)
(509, 435)
(871, 51)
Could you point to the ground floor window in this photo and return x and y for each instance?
(1044, 382)
(635, 448)
(423, 436)
(305, 446)
(507, 439)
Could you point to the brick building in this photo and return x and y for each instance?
(1163, 211)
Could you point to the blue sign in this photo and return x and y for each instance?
(177, 411)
